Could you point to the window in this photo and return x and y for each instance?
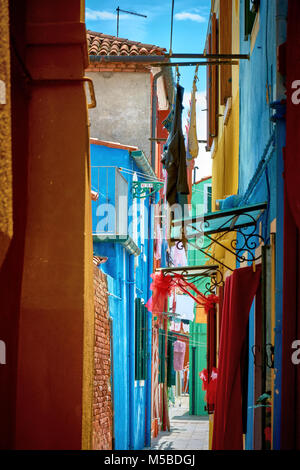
(251, 9)
(207, 198)
(140, 340)
(110, 210)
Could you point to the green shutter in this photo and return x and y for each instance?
(161, 355)
(209, 199)
(144, 342)
(138, 338)
(141, 336)
(171, 374)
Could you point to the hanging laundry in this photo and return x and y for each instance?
(161, 290)
(185, 307)
(186, 327)
(179, 353)
(157, 242)
(212, 389)
(204, 377)
(201, 314)
(177, 325)
(178, 256)
(193, 147)
(174, 157)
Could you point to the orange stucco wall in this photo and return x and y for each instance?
(48, 314)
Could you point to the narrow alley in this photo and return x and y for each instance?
(187, 432)
(150, 226)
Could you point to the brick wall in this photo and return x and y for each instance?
(102, 405)
(118, 67)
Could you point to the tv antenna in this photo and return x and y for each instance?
(129, 13)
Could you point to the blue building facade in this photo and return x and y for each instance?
(122, 227)
(261, 140)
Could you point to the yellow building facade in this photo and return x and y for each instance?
(223, 125)
(225, 145)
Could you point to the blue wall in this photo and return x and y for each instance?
(262, 139)
(128, 277)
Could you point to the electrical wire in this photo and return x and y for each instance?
(171, 33)
(191, 341)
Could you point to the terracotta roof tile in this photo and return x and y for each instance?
(103, 44)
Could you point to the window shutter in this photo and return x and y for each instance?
(171, 374)
(208, 96)
(138, 339)
(214, 47)
(225, 48)
(209, 192)
(249, 19)
(161, 355)
(145, 340)
(212, 84)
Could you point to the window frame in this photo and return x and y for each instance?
(141, 340)
(251, 11)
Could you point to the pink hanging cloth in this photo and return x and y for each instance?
(179, 353)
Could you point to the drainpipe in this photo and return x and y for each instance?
(149, 327)
(131, 337)
(154, 116)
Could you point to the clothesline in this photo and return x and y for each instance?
(140, 174)
(191, 341)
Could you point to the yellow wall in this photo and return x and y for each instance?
(225, 151)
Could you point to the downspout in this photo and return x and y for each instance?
(154, 116)
(149, 327)
(131, 311)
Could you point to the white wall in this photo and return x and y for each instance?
(123, 112)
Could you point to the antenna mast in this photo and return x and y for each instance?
(125, 11)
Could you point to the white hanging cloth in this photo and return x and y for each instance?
(185, 307)
(193, 146)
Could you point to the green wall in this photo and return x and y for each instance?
(198, 331)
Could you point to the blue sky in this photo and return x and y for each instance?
(189, 34)
(189, 27)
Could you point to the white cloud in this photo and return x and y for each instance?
(189, 16)
(94, 15)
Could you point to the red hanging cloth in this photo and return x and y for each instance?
(209, 384)
(239, 292)
(162, 286)
(161, 289)
(212, 389)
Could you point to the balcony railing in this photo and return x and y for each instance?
(110, 206)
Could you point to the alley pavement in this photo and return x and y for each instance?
(187, 432)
